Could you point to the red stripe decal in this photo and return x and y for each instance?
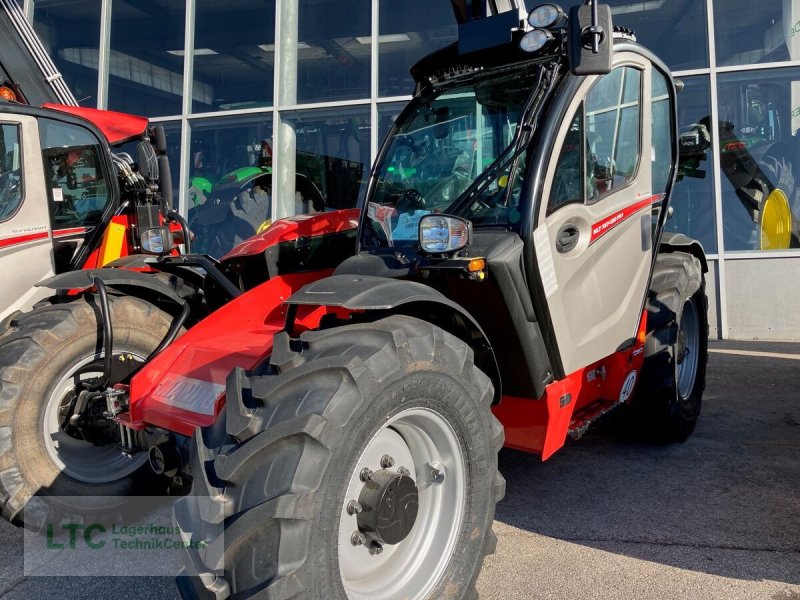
(66, 232)
(21, 239)
(601, 228)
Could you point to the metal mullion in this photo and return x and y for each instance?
(333, 104)
(374, 74)
(759, 66)
(762, 254)
(722, 296)
(690, 72)
(27, 9)
(389, 99)
(103, 54)
(232, 113)
(186, 108)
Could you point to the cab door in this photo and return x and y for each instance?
(594, 238)
(25, 239)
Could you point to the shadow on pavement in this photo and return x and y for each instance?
(734, 485)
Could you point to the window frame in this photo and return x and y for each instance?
(20, 137)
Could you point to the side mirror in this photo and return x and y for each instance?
(590, 39)
(441, 234)
(147, 161)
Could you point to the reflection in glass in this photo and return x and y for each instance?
(759, 121)
(693, 195)
(234, 55)
(409, 30)
(146, 59)
(230, 194)
(756, 32)
(675, 30)
(334, 51)
(333, 157)
(70, 33)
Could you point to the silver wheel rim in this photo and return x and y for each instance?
(688, 349)
(415, 438)
(79, 459)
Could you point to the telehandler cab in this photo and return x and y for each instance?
(341, 392)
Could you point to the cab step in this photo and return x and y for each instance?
(582, 419)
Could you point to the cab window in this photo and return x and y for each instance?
(11, 192)
(79, 189)
(601, 149)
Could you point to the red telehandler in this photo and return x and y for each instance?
(344, 381)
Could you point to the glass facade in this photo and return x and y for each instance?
(318, 84)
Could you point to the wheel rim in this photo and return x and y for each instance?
(688, 349)
(422, 441)
(79, 459)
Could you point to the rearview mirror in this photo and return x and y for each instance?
(590, 43)
(147, 161)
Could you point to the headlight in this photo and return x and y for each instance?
(154, 240)
(441, 234)
(535, 40)
(547, 16)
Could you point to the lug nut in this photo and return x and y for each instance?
(437, 472)
(365, 475)
(387, 461)
(353, 507)
(404, 471)
(358, 538)
(375, 548)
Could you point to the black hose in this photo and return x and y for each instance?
(108, 334)
(174, 328)
(173, 215)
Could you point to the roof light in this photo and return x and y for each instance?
(547, 16)
(535, 40)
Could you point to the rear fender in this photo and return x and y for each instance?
(377, 297)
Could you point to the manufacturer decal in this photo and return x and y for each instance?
(601, 228)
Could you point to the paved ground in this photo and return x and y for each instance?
(716, 517)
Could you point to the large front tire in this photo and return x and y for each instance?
(40, 356)
(275, 478)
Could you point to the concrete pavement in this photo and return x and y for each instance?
(715, 517)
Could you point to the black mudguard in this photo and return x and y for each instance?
(166, 285)
(383, 295)
(678, 242)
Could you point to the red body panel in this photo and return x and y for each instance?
(237, 335)
(117, 127)
(285, 230)
(541, 425)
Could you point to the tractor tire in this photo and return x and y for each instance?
(39, 357)
(668, 398)
(290, 485)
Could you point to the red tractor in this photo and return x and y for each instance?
(337, 388)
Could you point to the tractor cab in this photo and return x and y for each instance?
(71, 197)
(530, 184)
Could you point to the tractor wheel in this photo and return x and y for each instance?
(41, 454)
(668, 398)
(364, 467)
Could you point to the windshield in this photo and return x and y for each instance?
(441, 146)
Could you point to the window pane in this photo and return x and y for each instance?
(759, 159)
(693, 195)
(146, 59)
(334, 51)
(70, 33)
(612, 131)
(674, 29)
(11, 190)
(73, 165)
(333, 156)
(567, 187)
(387, 115)
(229, 158)
(234, 56)
(754, 32)
(409, 30)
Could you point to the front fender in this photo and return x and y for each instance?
(166, 285)
(384, 295)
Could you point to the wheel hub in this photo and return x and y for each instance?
(389, 503)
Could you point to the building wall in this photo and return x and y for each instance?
(311, 87)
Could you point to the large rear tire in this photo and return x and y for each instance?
(668, 398)
(40, 356)
(277, 478)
